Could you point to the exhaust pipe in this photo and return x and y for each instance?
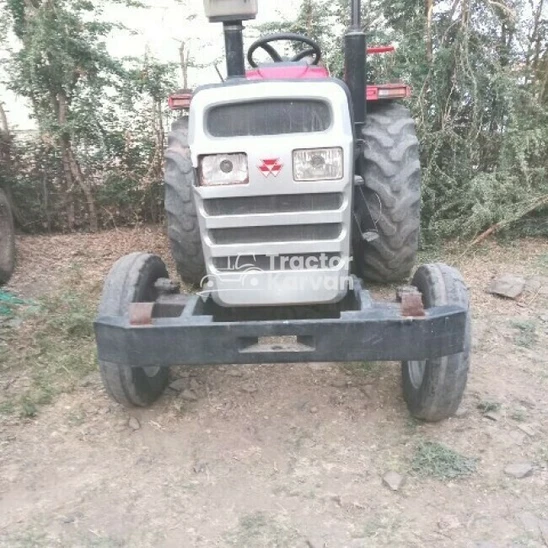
(234, 49)
(355, 66)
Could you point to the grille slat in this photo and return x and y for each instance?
(271, 117)
(289, 203)
(268, 263)
(269, 234)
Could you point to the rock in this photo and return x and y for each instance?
(189, 395)
(448, 522)
(200, 467)
(519, 470)
(461, 413)
(367, 390)
(90, 380)
(194, 385)
(492, 416)
(517, 437)
(527, 429)
(544, 318)
(235, 372)
(508, 286)
(249, 388)
(393, 481)
(337, 500)
(134, 423)
(314, 410)
(179, 385)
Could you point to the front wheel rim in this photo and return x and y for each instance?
(416, 371)
(151, 372)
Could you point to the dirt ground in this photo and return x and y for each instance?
(275, 456)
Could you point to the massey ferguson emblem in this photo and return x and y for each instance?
(271, 167)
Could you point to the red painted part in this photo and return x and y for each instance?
(287, 72)
(179, 101)
(372, 50)
(387, 91)
(378, 92)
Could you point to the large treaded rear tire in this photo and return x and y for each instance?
(7, 239)
(433, 389)
(131, 280)
(182, 220)
(390, 168)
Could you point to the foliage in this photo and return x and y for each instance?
(478, 70)
(97, 156)
(479, 74)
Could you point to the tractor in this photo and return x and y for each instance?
(7, 239)
(286, 191)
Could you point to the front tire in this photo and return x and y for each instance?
(132, 280)
(7, 239)
(390, 168)
(433, 389)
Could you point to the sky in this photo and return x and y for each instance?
(159, 29)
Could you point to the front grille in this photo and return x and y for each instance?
(268, 263)
(273, 204)
(269, 234)
(270, 117)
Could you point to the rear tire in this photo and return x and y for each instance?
(433, 389)
(182, 220)
(390, 168)
(131, 280)
(7, 239)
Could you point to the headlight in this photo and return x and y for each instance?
(224, 169)
(318, 164)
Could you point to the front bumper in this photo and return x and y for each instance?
(363, 330)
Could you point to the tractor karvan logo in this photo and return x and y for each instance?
(271, 166)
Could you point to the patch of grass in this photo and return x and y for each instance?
(542, 260)
(262, 530)
(487, 406)
(433, 459)
(519, 415)
(527, 334)
(54, 347)
(380, 526)
(364, 368)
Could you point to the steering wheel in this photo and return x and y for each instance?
(264, 43)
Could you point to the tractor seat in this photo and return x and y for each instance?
(287, 71)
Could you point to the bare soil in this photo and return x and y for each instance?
(276, 456)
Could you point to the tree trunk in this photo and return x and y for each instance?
(71, 167)
(429, 9)
(184, 57)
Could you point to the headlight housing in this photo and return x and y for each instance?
(224, 169)
(318, 164)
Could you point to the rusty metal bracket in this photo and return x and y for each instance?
(411, 302)
(141, 313)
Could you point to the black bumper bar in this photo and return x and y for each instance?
(371, 331)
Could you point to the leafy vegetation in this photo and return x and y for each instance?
(438, 461)
(527, 333)
(479, 74)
